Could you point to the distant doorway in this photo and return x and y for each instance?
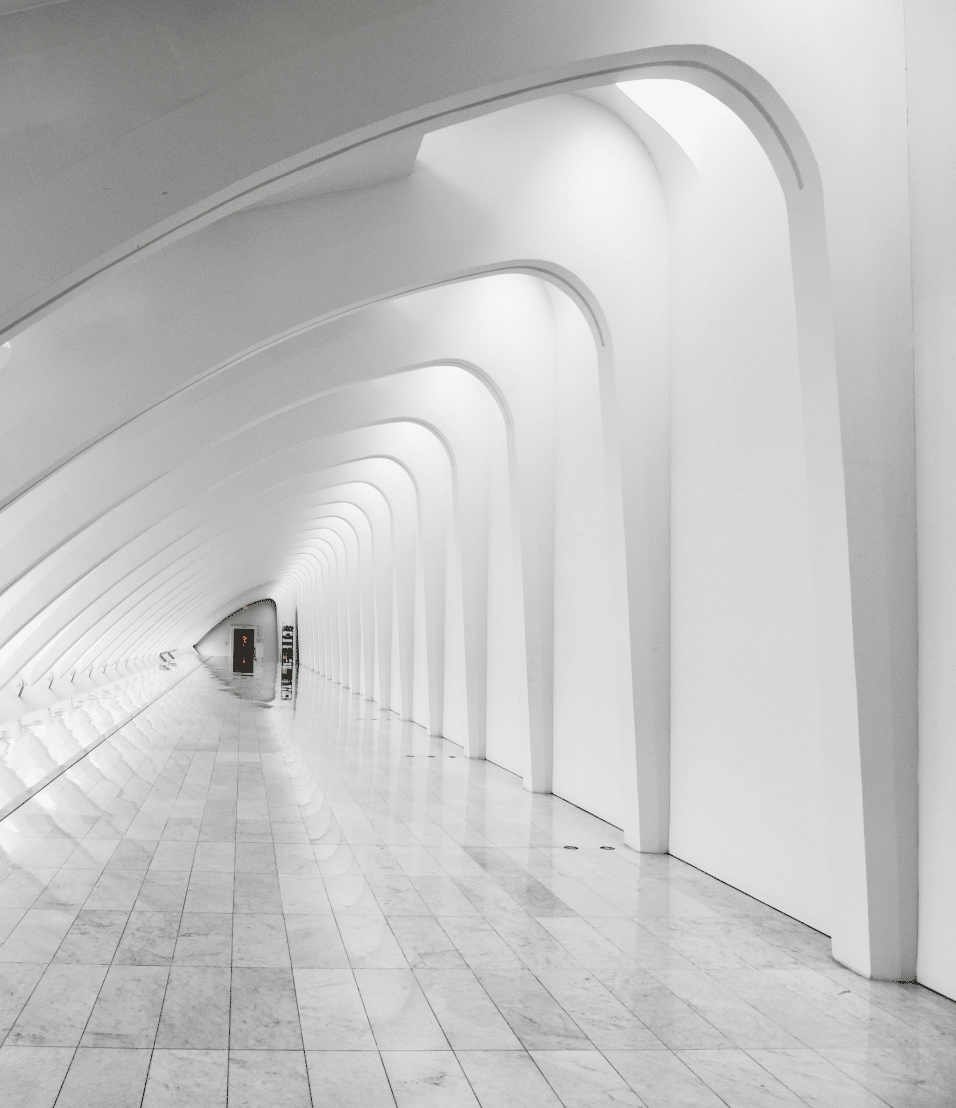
(243, 649)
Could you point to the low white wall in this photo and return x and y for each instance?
(217, 643)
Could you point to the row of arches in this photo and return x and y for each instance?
(459, 418)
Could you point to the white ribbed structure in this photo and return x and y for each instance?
(549, 366)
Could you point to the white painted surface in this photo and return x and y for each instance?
(455, 717)
(931, 42)
(747, 769)
(587, 728)
(507, 726)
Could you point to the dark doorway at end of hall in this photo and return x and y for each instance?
(243, 649)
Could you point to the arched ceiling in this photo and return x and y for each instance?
(205, 386)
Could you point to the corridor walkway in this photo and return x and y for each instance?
(296, 902)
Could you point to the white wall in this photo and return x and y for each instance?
(587, 725)
(217, 643)
(420, 714)
(116, 534)
(507, 714)
(455, 719)
(747, 802)
(931, 44)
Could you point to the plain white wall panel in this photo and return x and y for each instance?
(507, 721)
(747, 769)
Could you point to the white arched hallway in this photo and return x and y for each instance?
(560, 397)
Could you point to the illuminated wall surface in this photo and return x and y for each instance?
(556, 372)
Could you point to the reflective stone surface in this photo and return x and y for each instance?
(320, 906)
(36, 747)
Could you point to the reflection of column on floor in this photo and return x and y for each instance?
(36, 748)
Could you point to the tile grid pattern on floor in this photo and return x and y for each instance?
(229, 900)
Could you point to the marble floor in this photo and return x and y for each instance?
(36, 747)
(273, 903)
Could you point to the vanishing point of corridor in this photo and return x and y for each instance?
(245, 900)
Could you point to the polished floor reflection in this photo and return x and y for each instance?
(36, 747)
(229, 897)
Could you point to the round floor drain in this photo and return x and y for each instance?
(607, 847)
(570, 848)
